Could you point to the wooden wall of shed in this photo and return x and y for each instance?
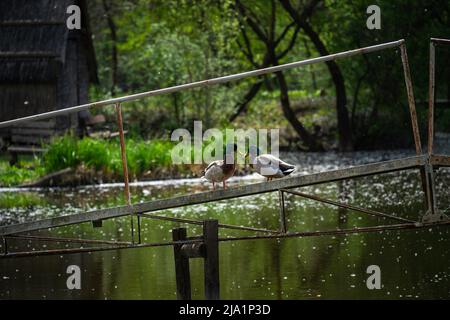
(67, 86)
(20, 100)
(70, 88)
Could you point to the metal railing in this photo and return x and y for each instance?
(424, 162)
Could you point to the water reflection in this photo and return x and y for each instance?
(413, 263)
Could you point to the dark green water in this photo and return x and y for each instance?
(414, 263)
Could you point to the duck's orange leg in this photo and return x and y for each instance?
(224, 184)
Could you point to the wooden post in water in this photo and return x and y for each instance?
(283, 225)
(182, 273)
(211, 260)
(343, 198)
(5, 246)
(208, 250)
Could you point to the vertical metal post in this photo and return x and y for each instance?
(124, 163)
(411, 101)
(211, 260)
(415, 126)
(283, 225)
(431, 95)
(5, 246)
(182, 273)
(431, 189)
(431, 194)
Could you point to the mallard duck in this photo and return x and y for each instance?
(219, 170)
(268, 165)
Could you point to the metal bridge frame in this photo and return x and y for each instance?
(425, 163)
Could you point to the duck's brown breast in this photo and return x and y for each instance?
(228, 170)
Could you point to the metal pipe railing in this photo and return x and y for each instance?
(203, 83)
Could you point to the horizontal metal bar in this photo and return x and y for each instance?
(199, 222)
(222, 194)
(439, 160)
(68, 240)
(93, 249)
(303, 234)
(348, 206)
(440, 41)
(204, 83)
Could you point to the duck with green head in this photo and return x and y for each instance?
(221, 170)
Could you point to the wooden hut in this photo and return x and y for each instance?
(43, 66)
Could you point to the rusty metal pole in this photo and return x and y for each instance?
(348, 206)
(432, 212)
(431, 89)
(414, 123)
(123, 152)
(411, 101)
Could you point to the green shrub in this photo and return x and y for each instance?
(61, 153)
(15, 175)
(68, 151)
(93, 153)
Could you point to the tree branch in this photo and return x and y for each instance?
(242, 105)
(290, 45)
(252, 21)
(283, 34)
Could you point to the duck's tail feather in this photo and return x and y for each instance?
(287, 172)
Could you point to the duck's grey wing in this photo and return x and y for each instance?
(212, 164)
(273, 164)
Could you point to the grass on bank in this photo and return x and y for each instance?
(67, 151)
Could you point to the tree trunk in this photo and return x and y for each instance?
(292, 118)
(271, 57)
(289, 113)
(344, 128)
(242, 105)
(112, 30)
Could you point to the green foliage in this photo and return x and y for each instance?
(166, 43)
(105, 155)
(93, 153)
(61, 153)
(24, 171)
(20, 200)
(145, 156)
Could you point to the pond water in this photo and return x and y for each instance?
(413, 263)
